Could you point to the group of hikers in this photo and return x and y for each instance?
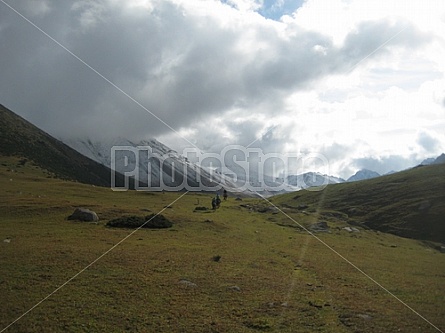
(216, 201)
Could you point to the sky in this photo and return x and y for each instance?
(358, 82)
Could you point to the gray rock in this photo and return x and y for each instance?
(83, 214)
(351, 229)
(364, 316)
(234, 288)
(187, 283)
(320, 227)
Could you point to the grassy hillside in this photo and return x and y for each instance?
(409, 204)
(271, 277)
(18, 137)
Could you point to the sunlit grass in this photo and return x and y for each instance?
(271, 276)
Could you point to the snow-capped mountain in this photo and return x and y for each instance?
(310, 179)
(154, 164)
(362, 175)
(170, 168)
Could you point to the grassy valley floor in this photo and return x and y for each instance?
(64, 276)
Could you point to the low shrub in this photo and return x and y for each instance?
(151, 221)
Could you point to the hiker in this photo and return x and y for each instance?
(225, 195)
(218, 200)
(214, 203)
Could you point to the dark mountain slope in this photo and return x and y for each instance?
(410, 203)
(19, 137)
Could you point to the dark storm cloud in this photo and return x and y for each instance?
(179, 66)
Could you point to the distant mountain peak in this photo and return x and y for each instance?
(434, 160)
(428, 161)
(309, 179)
(440, 159)
(363, 174)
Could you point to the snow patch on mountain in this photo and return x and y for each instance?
(311, 179)
(167, 168)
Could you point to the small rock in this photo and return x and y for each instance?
(83, 214)
(320, 227)
(187, 283)
(315, 305)
(364, 316)
(351, 229)
(7, 240)
(216, 258)
(238, 199)
(234, 288)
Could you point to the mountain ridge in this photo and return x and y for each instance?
(408, 203)
(363, 174)
(162, 167)
(19, 137)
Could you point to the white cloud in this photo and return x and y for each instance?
(245, 5)
(337, 18)
(354, 80)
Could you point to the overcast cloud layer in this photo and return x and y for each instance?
(361, 82)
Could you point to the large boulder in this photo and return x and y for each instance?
(83, 214)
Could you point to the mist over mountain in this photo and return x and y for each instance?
(310, 179)
(175, 168)
(153, 163)
(20, 138)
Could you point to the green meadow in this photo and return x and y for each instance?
(237, 269)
